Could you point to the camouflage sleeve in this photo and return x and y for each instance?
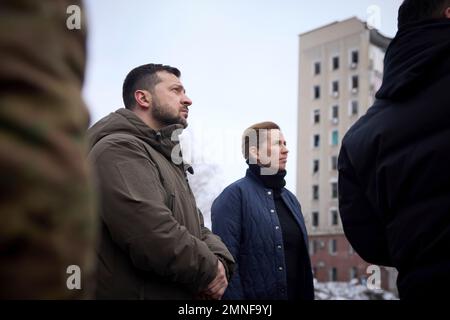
(46, 212)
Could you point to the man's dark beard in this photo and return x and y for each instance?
(162, 115)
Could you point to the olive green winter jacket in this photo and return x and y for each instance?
(153, 242)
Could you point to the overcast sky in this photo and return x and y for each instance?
(238, 58)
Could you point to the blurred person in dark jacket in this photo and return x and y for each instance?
(261, 222)
(154, 244)
(394, 173)
(47, 220)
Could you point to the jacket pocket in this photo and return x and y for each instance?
(171, 203)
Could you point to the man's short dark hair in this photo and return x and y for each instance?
(143, 78)
(416, 10)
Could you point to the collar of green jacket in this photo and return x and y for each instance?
(126, 121)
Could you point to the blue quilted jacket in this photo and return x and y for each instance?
(244, 216)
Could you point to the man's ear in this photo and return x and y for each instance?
(143, 98)
(447, 13)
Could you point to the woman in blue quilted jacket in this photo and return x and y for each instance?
(262, 225)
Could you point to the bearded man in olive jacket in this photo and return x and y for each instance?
(153, 241)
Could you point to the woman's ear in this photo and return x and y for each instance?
(253, 155)
(447, 13)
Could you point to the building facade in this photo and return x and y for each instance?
(340, 70)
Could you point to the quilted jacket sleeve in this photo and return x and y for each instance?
(216, 245)
(226, 219)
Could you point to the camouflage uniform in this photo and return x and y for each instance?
(47, 220)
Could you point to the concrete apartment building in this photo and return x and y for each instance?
(341, 68)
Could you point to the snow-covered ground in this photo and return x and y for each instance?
(349, 291)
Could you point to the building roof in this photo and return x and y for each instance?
(376, 37)
(330, 24)
(379, 39)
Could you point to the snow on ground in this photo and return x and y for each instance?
(349, 291)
